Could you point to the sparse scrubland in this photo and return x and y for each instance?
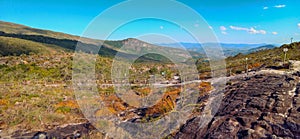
(36, 91)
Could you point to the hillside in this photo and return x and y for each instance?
(13, 28)
(69, 42)
(265, 47)
(17, 47)
(264, 58)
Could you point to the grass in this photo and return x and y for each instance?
(35, 83)
(17, 47)
(23, 109)
(205, 87)
(20, 29)
(36, 92)
(266, 58)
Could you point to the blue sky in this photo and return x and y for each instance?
(233, 21)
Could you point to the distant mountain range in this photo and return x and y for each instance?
(229, 49)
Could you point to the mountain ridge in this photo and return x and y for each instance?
(69, 42)
(230, 49)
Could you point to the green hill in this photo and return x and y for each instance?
(13, 28)
(69, 42)
(16, 46)
(264, 58)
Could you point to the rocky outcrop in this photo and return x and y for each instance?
(261, 106)
(71, 131)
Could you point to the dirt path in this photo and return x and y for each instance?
(296, 65)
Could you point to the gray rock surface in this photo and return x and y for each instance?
(262, 106)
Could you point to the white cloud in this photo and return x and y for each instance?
(161, 27)
(274, 33)
(298, 25)
(280, 6)
(224, 32)
(254, 31)
(265, 8)
(222, 28)
(263, 31)
(210, 27)
(239, 28)
(250, 30)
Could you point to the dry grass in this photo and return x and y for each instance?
(166, 104)
(205, 87)
(143, 92)
(37, 107)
